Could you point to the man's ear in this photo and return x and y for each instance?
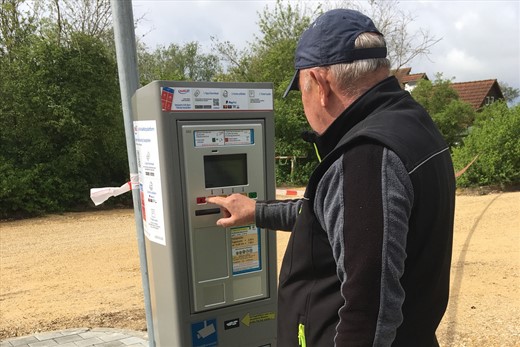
(324, 90)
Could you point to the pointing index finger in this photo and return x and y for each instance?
(218, 200)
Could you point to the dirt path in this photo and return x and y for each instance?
(82, 270)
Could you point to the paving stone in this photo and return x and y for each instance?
(91, 334)
(73, 331)
(113, 336)
(25, 340)
(111, 344)
(105, 330)
(45, 343)
(66, 339)
(89, 342)
(135, 341)
(81, 337)
(48, 335)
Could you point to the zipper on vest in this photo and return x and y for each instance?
(301, 335)
(317, 152)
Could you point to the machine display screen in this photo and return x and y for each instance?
(225, 170)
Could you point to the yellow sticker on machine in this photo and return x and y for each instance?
(258, 318)
(245, 249)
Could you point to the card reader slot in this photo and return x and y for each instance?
(207, 211)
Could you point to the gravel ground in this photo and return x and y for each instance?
(82, 270)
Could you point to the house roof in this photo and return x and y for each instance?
(403, 76)
(399, 73)
(414, 77)
(475, 92)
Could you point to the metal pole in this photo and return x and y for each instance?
(126, 53)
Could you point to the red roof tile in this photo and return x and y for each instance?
(475, 92)
(404, 71)
(403, 76)
(413, 77)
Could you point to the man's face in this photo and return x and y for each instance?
(310, 100)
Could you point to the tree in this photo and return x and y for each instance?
(510, 93)
(179, 63)
(271, 58)
(271, 55)
(64, 18)
(60, 112)
(452, 116)
(15, 26)
(494, 138)
(62, 130)
(394, 23)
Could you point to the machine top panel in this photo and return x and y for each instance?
(184, 98)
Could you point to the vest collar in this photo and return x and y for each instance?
(380, 95)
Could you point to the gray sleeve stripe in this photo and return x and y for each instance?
(397, 196)
(331, 213)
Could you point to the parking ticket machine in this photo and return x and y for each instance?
(209, 286)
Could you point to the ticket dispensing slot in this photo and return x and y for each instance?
(227, 264)
(207, 211)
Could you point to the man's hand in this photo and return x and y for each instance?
(237, 210)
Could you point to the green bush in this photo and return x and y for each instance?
(494, 137)
(62, 126)
(302, 171)
(451, 115)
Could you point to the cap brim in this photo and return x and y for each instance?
(293, 85)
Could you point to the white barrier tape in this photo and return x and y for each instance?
(290, 192)
(100, 195)
(134, 181)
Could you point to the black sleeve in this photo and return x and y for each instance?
(278, 214)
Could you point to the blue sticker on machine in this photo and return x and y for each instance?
(204, 334)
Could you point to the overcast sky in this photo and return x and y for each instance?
(480, 39)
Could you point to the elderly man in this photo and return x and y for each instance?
(368, 260)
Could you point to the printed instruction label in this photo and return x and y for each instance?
(216, 138)
(219, 99)
(147, 153)
(258, 318)
(245, 249)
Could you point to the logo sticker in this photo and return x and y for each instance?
(232, 324)
(204, 334)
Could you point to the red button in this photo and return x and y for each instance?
(201, 200)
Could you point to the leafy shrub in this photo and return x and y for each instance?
(494, 137)
(62, 127)
(451, 115)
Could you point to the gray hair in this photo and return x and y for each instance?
(349, 74)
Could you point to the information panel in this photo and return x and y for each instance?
(147, 152)
(212, 99)
(228, 137)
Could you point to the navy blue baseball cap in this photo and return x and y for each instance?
(330, 40)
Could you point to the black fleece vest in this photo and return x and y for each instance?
(309, 290)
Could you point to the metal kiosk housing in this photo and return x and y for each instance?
(209, 286)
